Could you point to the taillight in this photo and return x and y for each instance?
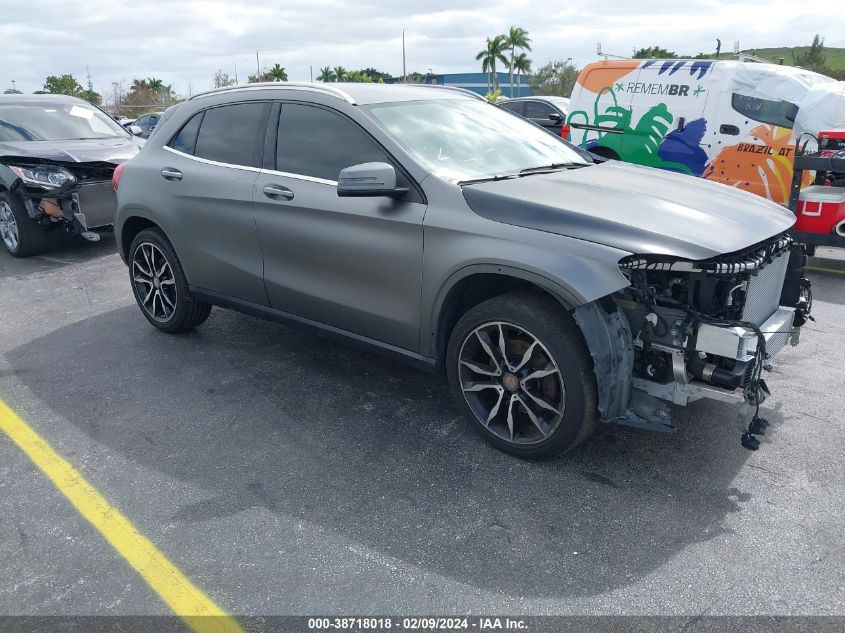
(115, 179)
(564, 132)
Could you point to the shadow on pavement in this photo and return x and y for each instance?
(258, 414)
(63, 250)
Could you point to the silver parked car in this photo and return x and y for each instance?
(556, 292)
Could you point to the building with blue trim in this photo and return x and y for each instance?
(478, 82)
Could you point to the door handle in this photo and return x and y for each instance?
(728, 129)
(278, 191)
(171, 173)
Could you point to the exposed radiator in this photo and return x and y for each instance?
(762, 297)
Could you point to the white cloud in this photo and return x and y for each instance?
(185, 41)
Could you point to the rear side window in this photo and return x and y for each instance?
(780, 113)
(538, 110)
(186, 140)
(233, 134)
(319, 143)
(513, 106)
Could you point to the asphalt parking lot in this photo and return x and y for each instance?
(284, 473)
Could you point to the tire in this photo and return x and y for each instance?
(566, 384)
(20, 234)
(160, 286)
(604, 152)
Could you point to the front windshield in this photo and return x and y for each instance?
(463, 140)
(55, 122)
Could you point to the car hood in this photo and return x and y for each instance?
(108, 150)
(637, 209)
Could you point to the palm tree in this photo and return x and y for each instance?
(278, 73)
(493, 52)
(516, 38)
(520, 64)
(156, 85)
(339, 73)
(326, 75)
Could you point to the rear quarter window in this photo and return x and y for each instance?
(779, 113)
(186, 139)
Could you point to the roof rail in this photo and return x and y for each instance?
(285, 85)
(452, 88)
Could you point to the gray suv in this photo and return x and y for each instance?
(554, 291)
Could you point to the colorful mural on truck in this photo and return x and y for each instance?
(702, 118)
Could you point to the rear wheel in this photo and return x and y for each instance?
(21, 235)
(520, 371)
(160, 286)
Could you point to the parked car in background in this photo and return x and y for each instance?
(549, 112)
(146, 123)
(57, 158)
(555, 292)
(730, 122)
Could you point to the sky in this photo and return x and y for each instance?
(184, 42)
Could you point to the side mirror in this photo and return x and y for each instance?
(136, 130)
(554, 116)
(369, 180)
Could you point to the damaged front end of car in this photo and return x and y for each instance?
(688, 330)
(75, 196)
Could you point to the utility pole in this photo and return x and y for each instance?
(90, 84)
(236, 73)
(311, 70)
(404, 71)
(257, 67)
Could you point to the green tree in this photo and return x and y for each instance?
(516, 38)
(91, 97)
(340, 73)
(555, 78)
(377, 75)
(521, 65)
(278, 73)
(654, 52)
(62, 85)
(326, 75)
(493, 52)
(359, 77)
(813, 58)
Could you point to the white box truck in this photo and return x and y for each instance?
(732, 122)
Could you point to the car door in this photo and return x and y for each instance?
(544, 114)
(209, 171)
(350, 263)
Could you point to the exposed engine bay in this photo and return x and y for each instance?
(76, 196)
(707, 329)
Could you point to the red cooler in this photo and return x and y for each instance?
(820, 209)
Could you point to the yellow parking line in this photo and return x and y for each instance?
(820, 269)
(181, 595)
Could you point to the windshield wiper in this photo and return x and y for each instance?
(544, 169)
(472, 181)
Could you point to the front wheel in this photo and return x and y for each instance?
(160, 286)
(21, 235)
(520, 371)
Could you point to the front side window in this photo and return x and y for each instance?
(142, 122)
(233, 134)
(47, 121)
(319, 143)
(468, 139)
(779, 113)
